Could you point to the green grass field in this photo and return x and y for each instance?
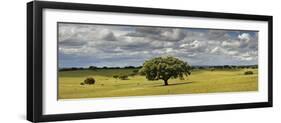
(200, 81)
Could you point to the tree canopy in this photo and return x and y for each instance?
(165, 68)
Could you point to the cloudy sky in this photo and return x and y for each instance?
(82, 45)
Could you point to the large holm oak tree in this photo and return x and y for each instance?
(165, 68)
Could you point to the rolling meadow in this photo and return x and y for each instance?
(200, 81)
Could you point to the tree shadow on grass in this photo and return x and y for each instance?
(139, 83)
(154, 84)
(173, 84)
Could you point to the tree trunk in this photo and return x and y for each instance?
(166, 82)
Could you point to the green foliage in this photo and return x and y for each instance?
(165, 68)
(123, 77)
(92, 68)
(115, 76)
(135, 71)
(89, 81)
(248, 73)
(132, 74)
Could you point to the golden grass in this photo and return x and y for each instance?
(200, 81)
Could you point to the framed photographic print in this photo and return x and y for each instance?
(95, 61)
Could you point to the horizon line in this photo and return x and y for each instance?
(141, 66)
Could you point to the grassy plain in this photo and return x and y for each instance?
(200, 81)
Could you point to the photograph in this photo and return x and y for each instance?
(106, 60)
(87, 61)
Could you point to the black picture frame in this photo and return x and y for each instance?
(35, 69)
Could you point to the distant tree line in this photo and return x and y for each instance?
(96, 68)
(71, 69)
(226, 67)
(139, 67)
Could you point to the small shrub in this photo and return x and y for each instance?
(82, 83)
(115, 76)
(248, 73)
(89, 80)
(93, 68)
(123, 77)
(132, 74)
(135, 71)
